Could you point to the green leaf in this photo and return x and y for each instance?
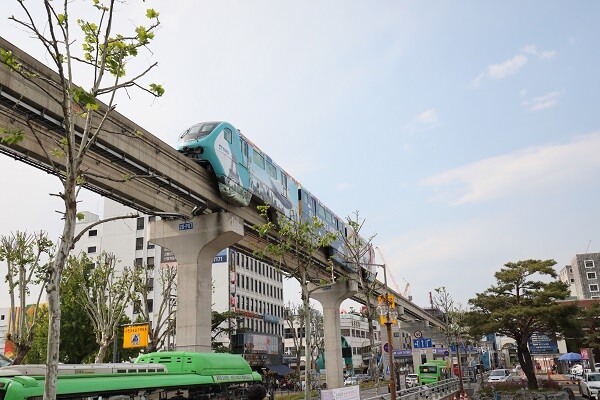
(61, 19)
(158, 90)
(151, 13)
(85, 99)
(80, 216)
(11, 136)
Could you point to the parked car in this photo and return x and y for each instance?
(577, 369)
(351, 380)
(412, 380)
(589, 385)
(499, 375)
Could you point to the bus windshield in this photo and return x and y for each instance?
(428, 369)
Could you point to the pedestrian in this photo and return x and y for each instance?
(256, 392)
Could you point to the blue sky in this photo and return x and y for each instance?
(465, 133)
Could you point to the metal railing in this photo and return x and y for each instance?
(434, 391)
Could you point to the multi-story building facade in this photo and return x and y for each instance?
(583, 276)
(355, 331)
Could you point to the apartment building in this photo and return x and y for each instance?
(583, 276)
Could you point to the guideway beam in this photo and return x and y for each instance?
(195, 243)
(331, 298)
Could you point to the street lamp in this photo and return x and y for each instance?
(388, 315)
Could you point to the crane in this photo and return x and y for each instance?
(406, 291)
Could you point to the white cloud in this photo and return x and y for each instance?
(532, 50)
(423, 121)
(475, 83)
(541, 102)
(428, 117)
(525, 171)
(512, 66)
(523, 92)
(506, 68)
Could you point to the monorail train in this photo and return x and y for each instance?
(243, 171)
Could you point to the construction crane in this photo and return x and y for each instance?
(406, 291)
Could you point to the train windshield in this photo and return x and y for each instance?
(199, 130)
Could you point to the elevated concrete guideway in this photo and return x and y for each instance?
(166, 184)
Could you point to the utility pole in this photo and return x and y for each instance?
(388, 315)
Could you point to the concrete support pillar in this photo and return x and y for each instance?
(331, 298)
(195, 244)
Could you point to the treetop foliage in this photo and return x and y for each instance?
(519, 304)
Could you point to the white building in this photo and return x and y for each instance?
(241, 283)
(582, 276)
(4, 314)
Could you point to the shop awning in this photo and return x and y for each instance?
(282, 370)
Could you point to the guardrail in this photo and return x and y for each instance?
(435, 391)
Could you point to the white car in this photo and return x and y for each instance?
(412, 380)
(589, 385)
(499, 375)
(351, 380)
(577, 369)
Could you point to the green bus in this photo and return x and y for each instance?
(154, 376)
(432, 372)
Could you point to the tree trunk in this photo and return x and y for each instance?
(307, 335)
(54, 277)
(525, 361)
(22, 350)
(101, 356)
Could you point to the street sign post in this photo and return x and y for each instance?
(422, 343)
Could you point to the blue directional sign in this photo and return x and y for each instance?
(422, 343)
(186, 225)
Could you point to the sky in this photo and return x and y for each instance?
(466, 134)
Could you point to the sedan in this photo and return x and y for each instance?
(590, 385)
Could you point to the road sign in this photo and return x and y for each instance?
(186, 225)
(135, 336)
(386, 347)
(422, 343)
(418, 334)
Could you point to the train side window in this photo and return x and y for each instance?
(258, 158)
(272, 170)
(227, 133)
(244, 147)
(314, 203)
(321, 212)
(284, 183)
(328, 216)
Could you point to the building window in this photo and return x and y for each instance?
(138, 262)
(150, 262)
(150, 283)
(93, 232)
(591, 275)
(594, 288)
(91, 249)
(140, 223)
(139, 243)
(150, 305)
(588, 263)
(149, 245)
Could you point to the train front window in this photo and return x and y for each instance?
(199, 130)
